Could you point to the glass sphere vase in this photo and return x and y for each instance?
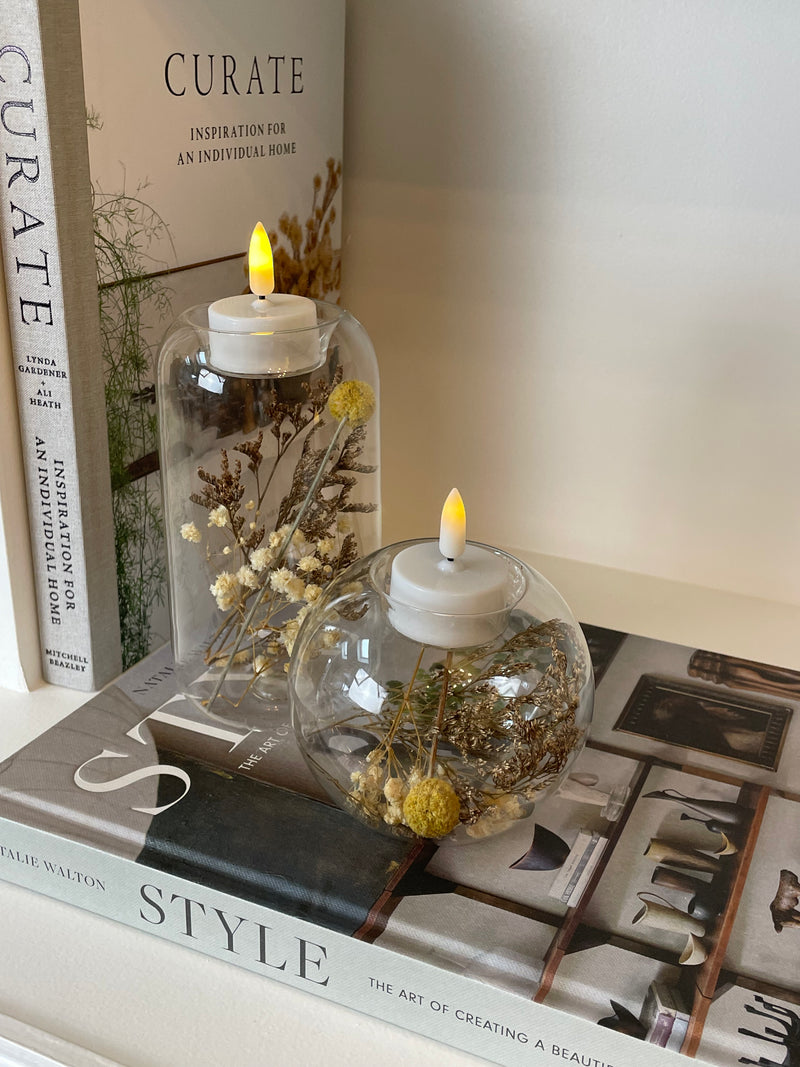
(444, 726)
(246, 424)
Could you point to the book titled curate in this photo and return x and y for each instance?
(48, 252)
(131, 176)
(679, 941)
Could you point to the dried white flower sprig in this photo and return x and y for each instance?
(352, 403)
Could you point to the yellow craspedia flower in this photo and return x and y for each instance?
(431, 808)
(354, 401)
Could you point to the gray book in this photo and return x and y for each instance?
(46, 228)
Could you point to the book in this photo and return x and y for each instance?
(578, 867)
(660, 1032)
(176, 129)
(143, 809)
(665, 1017)
(48, 253)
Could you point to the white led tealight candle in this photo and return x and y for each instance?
(263, 333)
(449, 594)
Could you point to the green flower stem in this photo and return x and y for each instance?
(279, 558)
(404, 703)
(448, 663)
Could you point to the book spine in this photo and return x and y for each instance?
(463, 1012)
(583, 875)
(662, 1028)
(46, 230)
(678, 1033)
(20, 666)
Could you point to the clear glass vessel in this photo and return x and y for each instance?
(450, 727)
(244, 427)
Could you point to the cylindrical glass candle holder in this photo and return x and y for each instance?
(245, 427)
(445, 726)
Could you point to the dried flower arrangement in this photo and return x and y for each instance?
(310, 266)
(463, 743)
(271, 577)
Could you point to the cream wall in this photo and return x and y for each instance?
(573, 232)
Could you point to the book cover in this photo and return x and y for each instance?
(174, 129)
(142, 809)
(203, 121)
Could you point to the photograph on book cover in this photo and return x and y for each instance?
(765, 940)
(750, 1023)
(214, 112)
(737, 673)
(678, 821)
(744, 721)
(201, 124)
(693, 716)
(601, 975)
(547, 865)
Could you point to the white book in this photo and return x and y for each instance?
(580, 864)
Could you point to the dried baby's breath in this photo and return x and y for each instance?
(491, 752)
(305, 260)
(266, 585)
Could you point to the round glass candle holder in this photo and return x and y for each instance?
(244, 425)
(415, 737)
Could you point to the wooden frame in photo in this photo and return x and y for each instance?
(727, 724)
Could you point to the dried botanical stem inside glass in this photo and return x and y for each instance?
(442, 743)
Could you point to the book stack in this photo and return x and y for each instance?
(579, 867)
(665, 1017)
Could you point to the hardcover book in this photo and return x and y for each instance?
(48, 252)
(172, 130)
(680, 942)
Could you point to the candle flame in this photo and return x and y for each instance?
(453, 529)
(259, 262)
